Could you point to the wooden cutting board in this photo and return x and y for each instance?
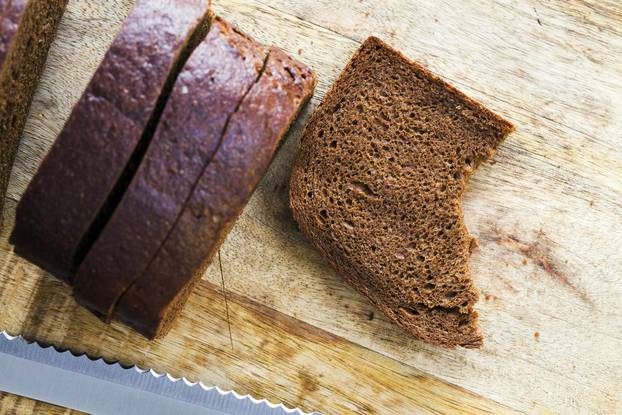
(547, 211)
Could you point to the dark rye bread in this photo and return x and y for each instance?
(213, 82)
(250, 141)
(27, 28)
(377, 187)
(86, 171)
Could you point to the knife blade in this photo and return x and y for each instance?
(98, 387)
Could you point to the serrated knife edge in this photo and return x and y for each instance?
(147, 380)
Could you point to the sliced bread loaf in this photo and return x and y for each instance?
(211, 85)
(27, 28)
(85, 173)
(377, 187)
(250, 141)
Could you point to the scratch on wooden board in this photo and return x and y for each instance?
(224, 294)
(537, 254)
(537, 17)
(508, 285)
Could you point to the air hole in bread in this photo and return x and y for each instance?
(363, 189)
(411, 311)
(290, 72)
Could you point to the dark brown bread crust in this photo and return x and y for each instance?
(224, 188)
(27, 29)
(377, 188)
(69, 195)
(213, 82)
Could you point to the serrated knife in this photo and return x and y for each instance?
(97, 387)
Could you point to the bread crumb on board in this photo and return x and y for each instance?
(489, 297)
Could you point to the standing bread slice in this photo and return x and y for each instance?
(213, 82)
(84, 174)
(27, 28)
(223, 190)
(377, 187)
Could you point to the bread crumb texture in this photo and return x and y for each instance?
(377, 187)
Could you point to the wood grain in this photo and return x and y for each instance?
(18, 405)
(547, 212)
(271, 355)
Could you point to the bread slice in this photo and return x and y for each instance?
(27, 28)
(224, 188)
(85, 173)
(214, 80)
(377, 188)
